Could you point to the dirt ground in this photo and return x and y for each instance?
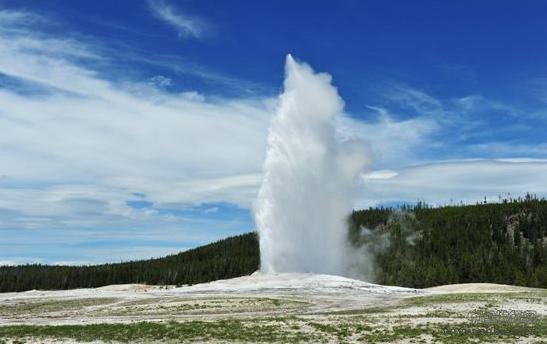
(277, 308)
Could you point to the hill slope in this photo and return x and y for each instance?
(415, 247)
(231, 257)
(420, 247)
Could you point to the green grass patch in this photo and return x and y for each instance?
(367, 310)
(226, 330)
(286, 330)
(462, 333)
(201, 306)
(56, 305)
(532, 297)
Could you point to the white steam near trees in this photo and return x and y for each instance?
(308, 179)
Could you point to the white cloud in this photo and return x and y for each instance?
(8, 262)
(454, 181)
(475, 103)
(13, 20)
(461, 127)
(183, 67)
(421, 103)
(160, 81)
(73, 153)
(393, 142)
(186, 26)
(511, 148)
(379, 174)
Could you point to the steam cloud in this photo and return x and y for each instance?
(308, 178)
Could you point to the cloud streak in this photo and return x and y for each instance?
(186, 26)
(76, 146)
(452, 182)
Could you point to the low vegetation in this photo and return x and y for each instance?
(491, 328)
(54, 305)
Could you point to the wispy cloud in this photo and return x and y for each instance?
(11, 20)
(418, 102)
(464, 125)
(179, 66)
(394, 142)
(186, 26)
(74, 154)
(450, 182)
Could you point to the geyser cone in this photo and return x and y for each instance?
(305, 196)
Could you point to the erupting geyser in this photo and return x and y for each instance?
(308, 178)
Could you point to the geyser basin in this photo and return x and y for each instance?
(308, 177)
(297, 283)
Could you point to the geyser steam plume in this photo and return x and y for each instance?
(308, 178)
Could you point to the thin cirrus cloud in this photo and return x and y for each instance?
(452, 182)
(446, 151)
(187, 26)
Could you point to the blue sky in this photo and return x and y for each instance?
(138, 128)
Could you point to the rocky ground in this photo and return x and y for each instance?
(277, 308)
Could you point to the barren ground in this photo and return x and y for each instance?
(277, 308)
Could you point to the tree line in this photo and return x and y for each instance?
(231, 257)
(419, 246)
(413, 246)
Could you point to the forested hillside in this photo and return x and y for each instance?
(421, 246)
(413, 246)
(231, 257)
